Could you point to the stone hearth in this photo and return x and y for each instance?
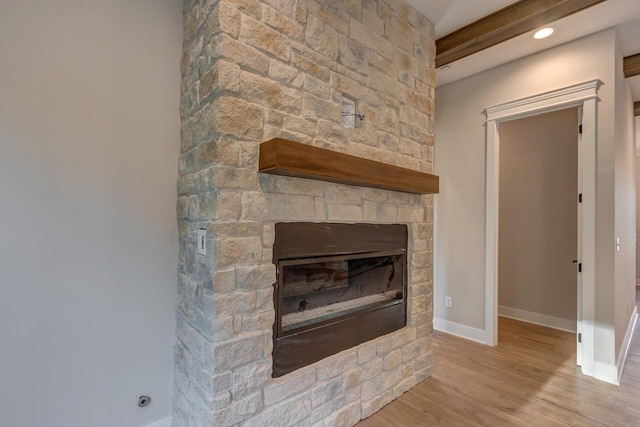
(251, 71)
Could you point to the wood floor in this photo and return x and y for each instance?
(529, 379)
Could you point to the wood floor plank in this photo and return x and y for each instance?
(529, 379)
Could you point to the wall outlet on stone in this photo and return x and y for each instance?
(348, 112)
(202, 241)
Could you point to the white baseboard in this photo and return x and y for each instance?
(459, 330)
(162, 423)
(538, 319)
(606, 372)
(622, 356)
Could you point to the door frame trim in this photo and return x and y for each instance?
(584, 96)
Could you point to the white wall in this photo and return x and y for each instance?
(89, 141)
(539, 218)
(460, 162)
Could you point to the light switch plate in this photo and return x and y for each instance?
(202, 241)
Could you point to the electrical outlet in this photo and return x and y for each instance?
(202, 241)
(448, 302)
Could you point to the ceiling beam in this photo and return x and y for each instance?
(516, 19)
(632, 65)
(636, 108)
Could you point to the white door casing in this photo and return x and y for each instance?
(584, 96)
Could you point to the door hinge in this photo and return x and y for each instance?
(580, 129)
(579, 267)
(580, 337)
(580, 198)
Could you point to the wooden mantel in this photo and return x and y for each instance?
(289, 158)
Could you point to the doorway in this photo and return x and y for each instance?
(584, 96)
(538, 219)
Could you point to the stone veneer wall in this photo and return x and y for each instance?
(257, 69)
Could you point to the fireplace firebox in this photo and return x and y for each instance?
(338, 286)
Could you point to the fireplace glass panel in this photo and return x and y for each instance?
(316, 291)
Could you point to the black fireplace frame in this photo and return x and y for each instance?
(310, 344)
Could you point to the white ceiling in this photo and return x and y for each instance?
(450, 15)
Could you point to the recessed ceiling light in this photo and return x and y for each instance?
(543, 33)
(445, 68)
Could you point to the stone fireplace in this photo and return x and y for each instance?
(253, 70)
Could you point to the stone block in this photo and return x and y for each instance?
(326, 392)
(269, 93)
(223, 229)
(224, 281)
(420, 304)
(288, 386)
(381, 212)
(287, 7)
(336, 365)
(400, 39)
(283, 23)
(268, 234)
(384, 345)
(253, 205)
(342, 212)
(262, 37)
(392, 360)
(224, 76)
(347, 416)
(264, 298)
(314, 108)
(238, 302)
(300, 124)
(285, 74)
(285, 414)
(310, 67)
(333, 132)
(317, 87)
(343, 194)
(229, 206)
(248, 155)
(253, 278)
(404, 386)
(420, 318)
(192, 340)
(258, 321)
(420, 259)
(271, 132)
(238, 411)
(243, 349)
(366, 352)
(249, 379)
(385, 84)
(331, 14)
(321, 37)
(215, 329)
(410, 213)
(420, 245)
(425, 330)
(289, 207)
(242, 250)
(403, 337)
(353, 55)
(421, 289)
(351, 379)
(321, 209)
(238, 117)
(375, 386)
(247, 57)
(370, 39)
(349, 87)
